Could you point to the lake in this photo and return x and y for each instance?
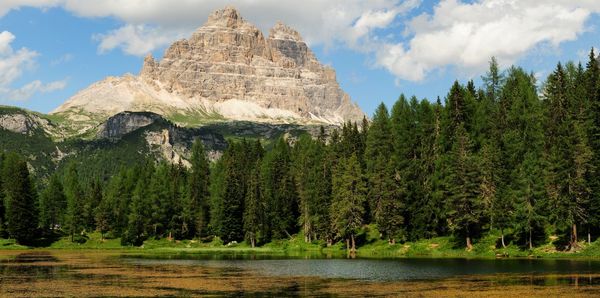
(134, 273)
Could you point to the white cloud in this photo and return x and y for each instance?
(467, 35)
(136, 40)
(62, 59)
(150, 24)
(32, 88)
(456, 34)
(12, 65)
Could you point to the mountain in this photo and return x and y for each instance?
(125, 139)
(227, 70)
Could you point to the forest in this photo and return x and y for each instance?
(512, 156)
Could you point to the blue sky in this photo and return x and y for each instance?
(50, 49)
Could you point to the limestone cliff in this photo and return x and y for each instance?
(226, 69)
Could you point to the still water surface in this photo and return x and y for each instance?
(375, 269)
(143, 274)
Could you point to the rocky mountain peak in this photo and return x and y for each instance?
(226, 17)
(227, 69)
(283, 31)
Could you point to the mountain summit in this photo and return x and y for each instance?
(227, 69)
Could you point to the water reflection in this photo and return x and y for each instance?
(92, 273)
(372, 269)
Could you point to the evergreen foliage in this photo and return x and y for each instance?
(510, 160)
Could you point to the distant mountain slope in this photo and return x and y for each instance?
(124, 139)
(227, 69)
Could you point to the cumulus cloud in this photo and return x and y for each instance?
(137, 40)
(149, 24)
(12, 65)
(32, 88)
(466, 35)
(457, 33)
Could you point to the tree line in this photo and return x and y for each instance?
(509, 158)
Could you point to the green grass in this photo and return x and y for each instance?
(10, 244)
(372, 247)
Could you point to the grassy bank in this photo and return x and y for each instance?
(440, 247)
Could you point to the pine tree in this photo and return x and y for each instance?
(254, 208)
(279, 189)
(21, 197)
(231, 222)
(93, 199)
(139, 219)
(389, 216)
(464, 204)
(53, 204)
(592, 95)
(312, 176)
(568, 155)
(3, 230)
(75, 222)
(348, 198)
(379, 147)
(521, 185)
(493, 80)
(196, 217)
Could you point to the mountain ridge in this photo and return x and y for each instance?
(226, 70)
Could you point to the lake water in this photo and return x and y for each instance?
(376, 269)
(89, 273)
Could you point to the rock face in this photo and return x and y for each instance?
(24, 123)
(168, 141)
(227, 68)
(124, 123)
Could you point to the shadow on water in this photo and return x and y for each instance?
(372, 269)
(39, 273)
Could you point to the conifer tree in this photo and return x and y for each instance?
(568, 156)
(379, 146)
(232, 225)
(20, 199)
(196, 216)
(75, 222)
(464, 204)
(592, 85)
(348, 198)
(139, 219)
(279, 189)
(254, 208)
(53, 204)
(3, 231)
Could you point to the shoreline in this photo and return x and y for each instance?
(439, 248)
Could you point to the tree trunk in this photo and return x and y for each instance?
(589, 236)
(574, 237)
(530, 240)
(353, 243)
(503, 244)
(348, 244)
(469, 244)
(252, 241)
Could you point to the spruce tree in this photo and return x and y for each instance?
(232, 200)
(279, 189)
(75, 222)
(568, 156)
(378, 149)
(3, 231)
(464, 203)
(53, 204)
(20, 199)
(254, 208)
(196, 216)
(348, 198)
